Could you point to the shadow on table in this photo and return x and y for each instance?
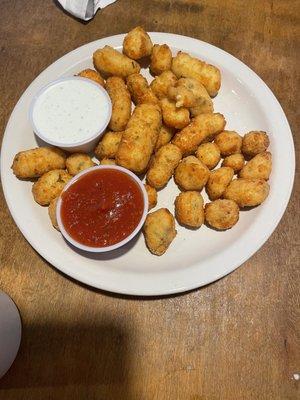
(82, 360)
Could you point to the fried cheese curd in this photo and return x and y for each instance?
(191, 174)
(78, 162)
(111, 62)
(159, 231)
(221, 214)
(247, 192)
(218, 181)
(108, 145)
(92, 75)
(49, 186)
(161, 84)
(139, 138)
(152, 196)
(186, 66)
(161, 59)
(139, 89)
(137, 44)
(121, 103)
(163, 165)
(35, 162)
(202, 128)
(189, 209)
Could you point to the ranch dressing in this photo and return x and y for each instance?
(70, 111)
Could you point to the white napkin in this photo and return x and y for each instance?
(84, 9)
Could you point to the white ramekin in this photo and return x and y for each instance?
(85, 145)
(116, 245)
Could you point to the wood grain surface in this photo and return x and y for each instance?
(235, 339)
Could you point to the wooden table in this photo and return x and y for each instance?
(234, 339)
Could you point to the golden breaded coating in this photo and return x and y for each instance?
(161, 83)
(108, 145)
(49, 186)
(202, 127)
(92, 75)
(209, 154)
(222, 214)
(189, 209)
(234, 161)
(52, 212)
(137, 44)
(161, 59)
(182, 96)
(203, 101)
(247, 192)
(35, 162)
(159, 231)
(174, 117)
(164, 136)
(152, 196)
(108, 161)
(77, 162)
(191, 174)
(255, 142)
(186, 66)
(218, 181)
(121, 103)
(111, 62)
(259, 167)
(139, 89)
(229, 142)
(163, 165)
(139, 138)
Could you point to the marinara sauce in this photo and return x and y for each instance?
(102, 207)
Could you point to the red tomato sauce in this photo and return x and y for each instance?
(102, 208)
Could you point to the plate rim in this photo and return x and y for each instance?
(156, 291)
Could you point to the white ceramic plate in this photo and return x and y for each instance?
(195, 258)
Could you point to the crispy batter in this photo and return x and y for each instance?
(52, 212)
(209, 154)
(191, 174)
(49, 186)
(229, 142)
(161, 59)
(189, 209)
(92, 75)
(222, 214)
(161, 83)
(255, 142)
(108, 145)
(108, 161)
(140, 137)
(35, 162)
(259, 167)
(121, 103)
(152, 196)
(111, 62)
(174, 117)
(234, 161)
(247, 192)
(185, 66)
(165, 135)
(218, 181)
(137, 44)
(159, 231)
(163, 165)
(140, 91)
(77, 162)
(202, 127)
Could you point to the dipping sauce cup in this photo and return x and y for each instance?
(71, 113)
(102, 208)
